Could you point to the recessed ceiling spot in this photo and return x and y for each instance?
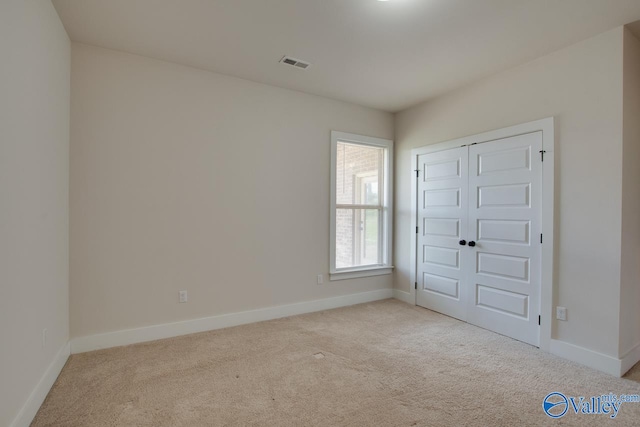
(294, 62)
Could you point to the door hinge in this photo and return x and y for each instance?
(538, 320)
(542, 155)
(416, 229)
(417, 173)
(540, 237)
(415, 285)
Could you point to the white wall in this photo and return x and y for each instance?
(581, 86)
(34, 176)
(630, 286)
(186, 179)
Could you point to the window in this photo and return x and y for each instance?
(361, 211)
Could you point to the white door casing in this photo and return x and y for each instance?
(506, 279)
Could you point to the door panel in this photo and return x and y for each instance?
(503, 284)
(447, 227)
(442, 210)
(503, 195)
(442, 256)
(444, 198)
(512, 159)
(504, 231)
(503, 266)
(509, 303)
(441, 285)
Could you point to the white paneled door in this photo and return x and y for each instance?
(442, 221)
(479, 230)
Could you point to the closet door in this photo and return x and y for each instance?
(504, 225)
(442, 224)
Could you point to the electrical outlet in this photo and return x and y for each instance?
(561, 313)
(320, 279)
(183, 296)
(44, 338)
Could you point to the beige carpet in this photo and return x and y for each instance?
(379, 364)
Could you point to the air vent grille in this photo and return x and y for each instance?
(294, 62)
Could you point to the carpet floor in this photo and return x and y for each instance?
(378, 364)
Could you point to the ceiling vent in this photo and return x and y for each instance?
(294, 62)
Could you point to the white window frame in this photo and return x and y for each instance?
(385, 267)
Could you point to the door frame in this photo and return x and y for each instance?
(547, 286)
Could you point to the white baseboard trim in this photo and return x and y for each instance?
(629, 359)
(602, 362)
(168, 330)
(403, 296)
(33, 403)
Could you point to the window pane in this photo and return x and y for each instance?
(358, 174)
(357, 237)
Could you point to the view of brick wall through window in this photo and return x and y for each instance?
(358, 180)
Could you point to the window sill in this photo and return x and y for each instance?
(360, 272)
